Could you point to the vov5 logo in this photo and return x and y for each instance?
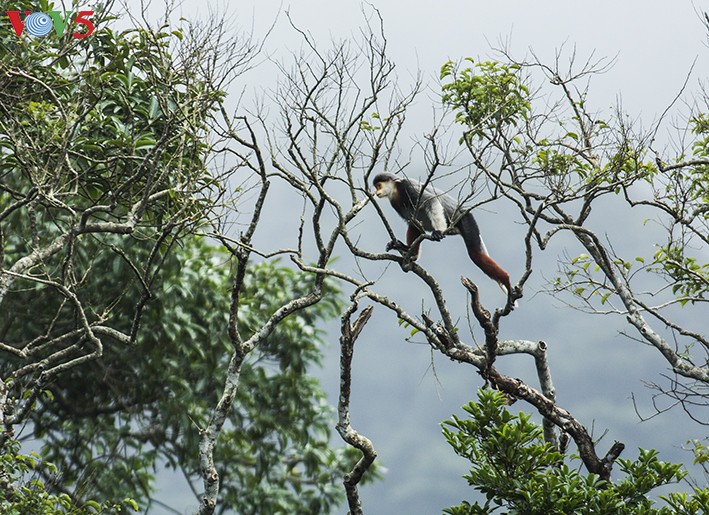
(40, 24)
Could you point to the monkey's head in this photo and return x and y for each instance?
(384, 185)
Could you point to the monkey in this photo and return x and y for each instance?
(431, 210)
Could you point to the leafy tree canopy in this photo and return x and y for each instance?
(518, 472)
(115, 312)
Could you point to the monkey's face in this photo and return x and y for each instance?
(384, 188)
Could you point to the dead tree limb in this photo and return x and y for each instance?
(349, 334)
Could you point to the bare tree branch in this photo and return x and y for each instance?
(350, 332)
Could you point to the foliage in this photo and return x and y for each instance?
(518, 471)
(102, 121)
(110, 425)
(23, 492)
(104, 175)
(102, 149)
(486, 96)
(686, 196)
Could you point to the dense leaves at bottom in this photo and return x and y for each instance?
(23, 492)
(519, 473)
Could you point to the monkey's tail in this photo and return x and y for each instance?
(478, 253)
(494, 271)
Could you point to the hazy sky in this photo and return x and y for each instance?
(398, 402)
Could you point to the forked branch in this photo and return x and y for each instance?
(349, 333)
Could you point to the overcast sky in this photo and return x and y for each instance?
(654, 44)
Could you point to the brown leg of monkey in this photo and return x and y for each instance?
(411, 234)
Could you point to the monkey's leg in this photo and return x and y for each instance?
(412, 233)
(397, 245)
